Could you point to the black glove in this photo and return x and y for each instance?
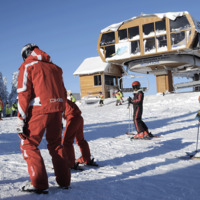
(21, 129)
(130, 100)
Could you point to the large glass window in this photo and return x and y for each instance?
(160, 27)
(148, 30)
(135, 47)
(110, 51)
(133, 33)
(107, 38)
(97, 80)
(178, 39)
(122, 34)
(180, 23)
(110, 80)
(161, 42)
(149, 45)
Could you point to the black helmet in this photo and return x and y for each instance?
(27, 49)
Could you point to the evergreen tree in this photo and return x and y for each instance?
(13, 94)
(3, 88)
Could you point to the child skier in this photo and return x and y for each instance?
(137, 101)
(118, 96)
(74, 130)
(101, 99)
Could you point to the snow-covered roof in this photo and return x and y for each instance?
(170, 15)
(91, 65)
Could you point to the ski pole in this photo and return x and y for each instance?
(129, 121)
(197, 137)
(131, 117)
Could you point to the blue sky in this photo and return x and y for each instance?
(68, 30)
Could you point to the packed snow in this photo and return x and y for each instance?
(139, 170)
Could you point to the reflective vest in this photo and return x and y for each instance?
(8, 109)
(118, 96)
(73, 99)
(14, 107)
(101, 97)
(1, 105)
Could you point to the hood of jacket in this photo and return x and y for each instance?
(38, 55)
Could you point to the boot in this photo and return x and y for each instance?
(92, 163)
(148, 134)
(77, 167)
(28, 187)
(139, 136)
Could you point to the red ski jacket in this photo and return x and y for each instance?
(40, 85)
(71, 110)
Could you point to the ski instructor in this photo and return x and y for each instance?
(41, 101)
(137, 101)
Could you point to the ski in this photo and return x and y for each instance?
(145, 139)
(188, 157)
(191, 155)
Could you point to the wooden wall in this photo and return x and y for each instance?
(87, 86)
(164, 83)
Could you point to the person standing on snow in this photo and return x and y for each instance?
(137, 101)
(72, 98)
(118, 96)
(14, 109)
(1, 108)
(8, 109)
(121, 96)
(101, 99)
(41, 101)
(74, 130)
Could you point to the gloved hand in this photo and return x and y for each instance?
(130, 100)
(21, 129)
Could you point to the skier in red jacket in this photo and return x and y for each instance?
(137, 101)
(1, 108)
(74, 130)
(41, 101)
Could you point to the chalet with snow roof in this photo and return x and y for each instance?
(163, 44)
(98, 76)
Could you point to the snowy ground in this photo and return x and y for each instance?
(139, 170)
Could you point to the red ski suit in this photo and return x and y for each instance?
(74, 130)
(41, 101)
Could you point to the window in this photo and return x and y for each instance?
(149, 45)
(161, 42)
(110, 80)
(97, 80)
(107, 38)
(180, 23)
(197, 41)
(135, 47)
(122, 34)
(133, 33)
(148, 30)
(160, 27)
(178, 39)
(110, 51)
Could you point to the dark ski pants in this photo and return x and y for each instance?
(74, 130)
(140, 126)
(37, 125)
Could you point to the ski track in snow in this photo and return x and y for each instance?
(139, 170)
